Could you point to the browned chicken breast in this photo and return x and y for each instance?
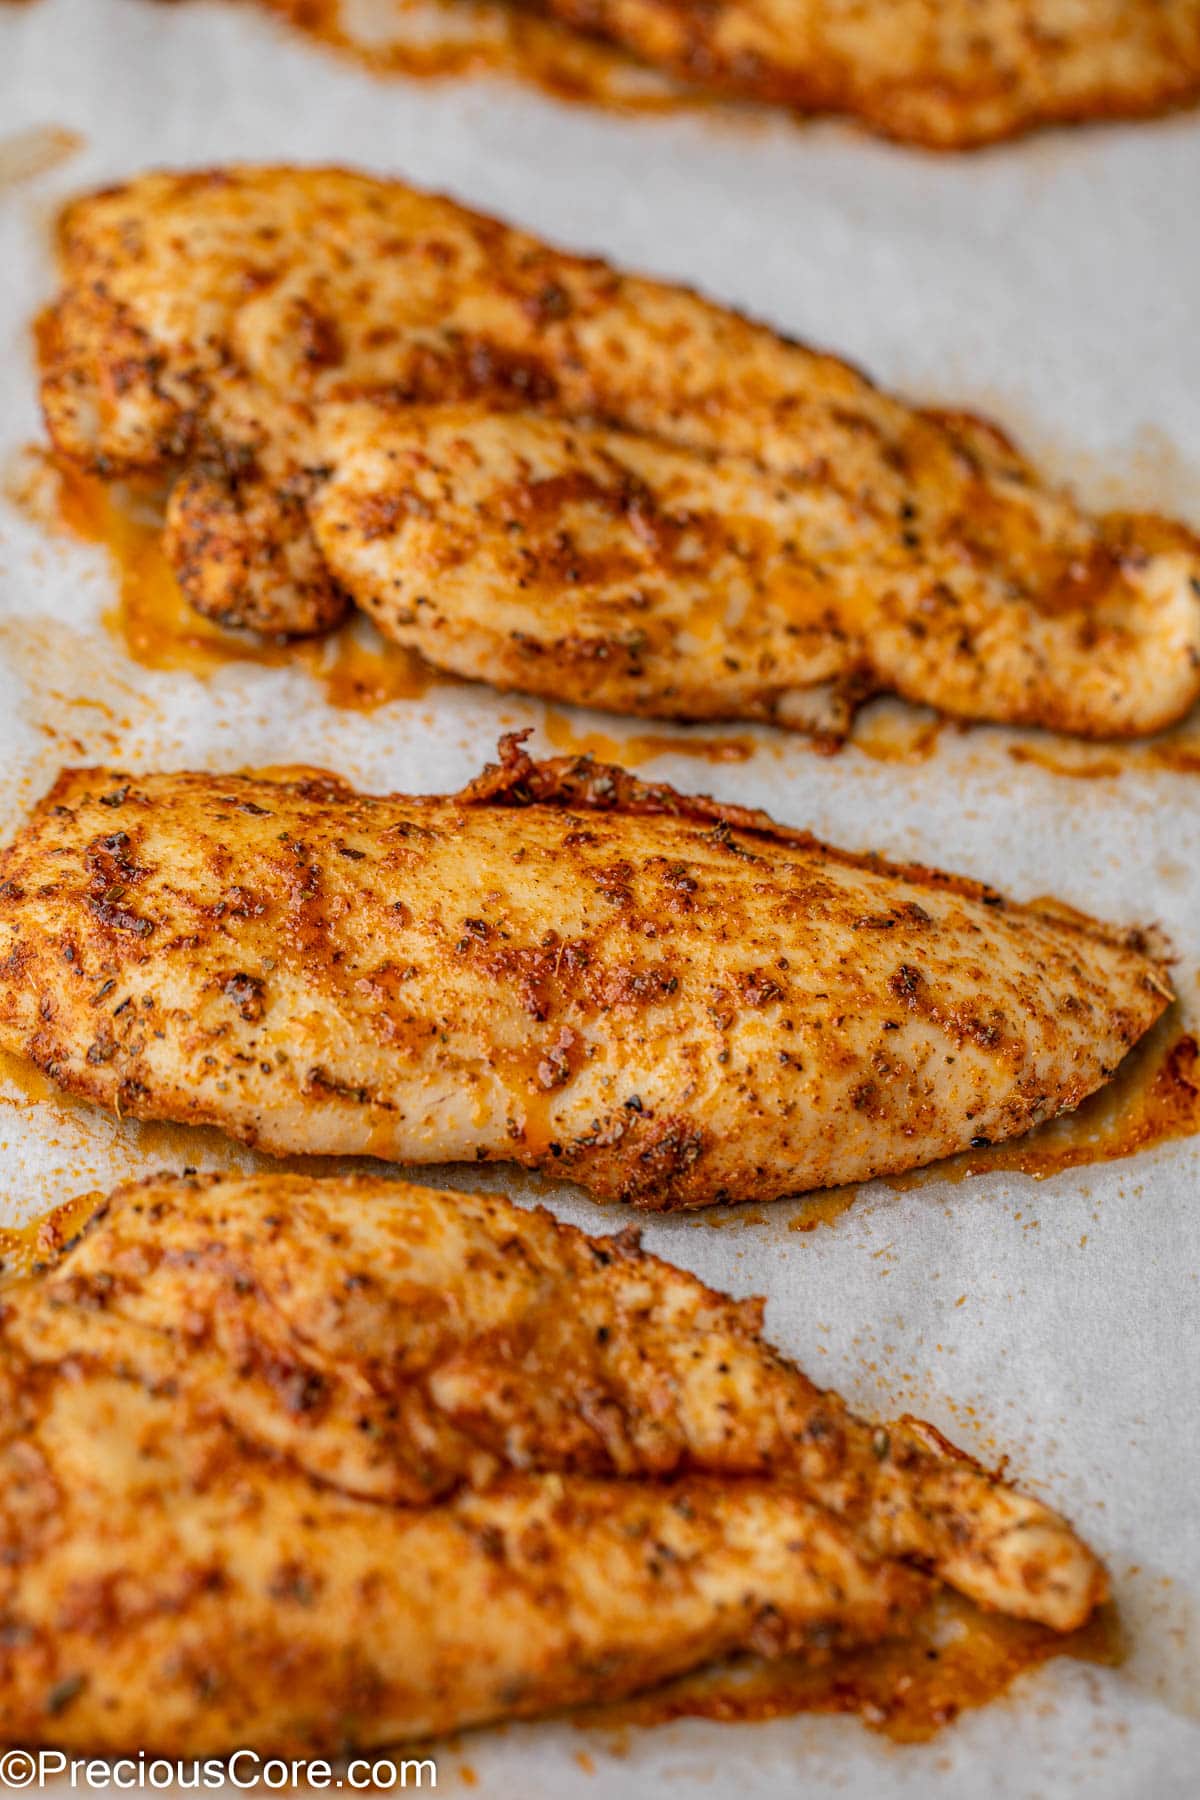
(552, 476)
(947, 74)
(668, 1000)
(950, 74)
(603, 567)
(305, 1465)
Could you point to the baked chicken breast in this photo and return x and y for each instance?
(606, 568)
(546, 474)
(310, 1465)
(949, 74)
(668, 1000)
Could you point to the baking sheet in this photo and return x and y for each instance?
(1054, 284)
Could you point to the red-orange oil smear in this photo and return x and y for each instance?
(1176, 751)
(25, 155)
(957, 1659)
(32, 1087)
(894, 735)
(26, 1248)
(823, 1208)
(156, 627)
(643, 746)
(897, 734)
(912, 735)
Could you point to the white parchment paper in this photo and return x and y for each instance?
(1054, 284)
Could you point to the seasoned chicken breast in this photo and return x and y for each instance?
(304, 1465)
(949, 74)
(552, 476)
(606, 568)
(668, 1000)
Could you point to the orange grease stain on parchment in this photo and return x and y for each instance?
(152, 621)
(31, 1086)
(643, 746)
(26, 1248)
(896, 733)
(892, 733)
(35, 151)
(1177, 751)
(358, 669)
(956, 1659)
(902, 735)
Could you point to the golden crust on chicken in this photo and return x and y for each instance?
(668, 1000)
(309, 1465)
(547, 474)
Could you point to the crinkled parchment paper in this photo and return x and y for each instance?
(1054, 284)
